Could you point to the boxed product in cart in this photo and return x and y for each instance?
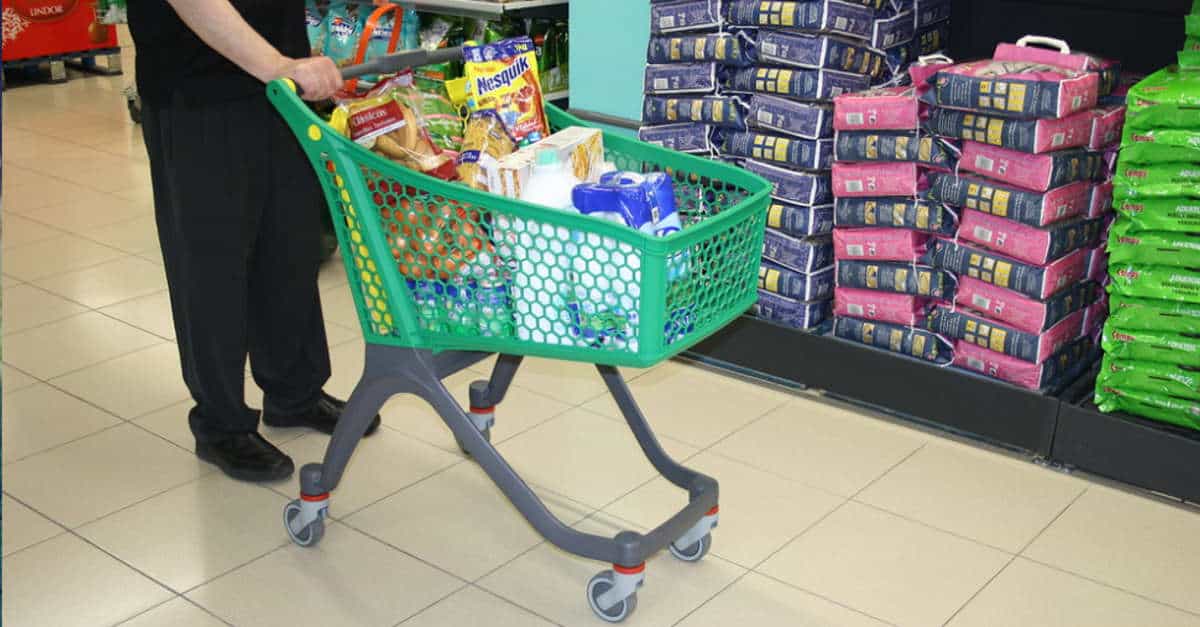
(799, 119)
(1033, 136)
(795, 83)
(896, 212)
(1033, 172)
(799, 221)
(865, 180)
(802, 255)
(802, 188)
(784, 281)
(813, 51)
(905, 340)
(903, 309)
(1018, 310)
(998, 337)
(1032, 280)
(1031, 244)
(900, 278)
(880, 244)
(830, 16)
(1014, 203)
(793, 313)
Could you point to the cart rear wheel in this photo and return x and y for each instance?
(310, 534)
(487, 435)
(600, 584)
(693, 553)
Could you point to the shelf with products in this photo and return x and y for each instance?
(484, 9)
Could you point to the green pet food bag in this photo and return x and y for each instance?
(1144, 376)
(1140, 314)
(1157, 282)
(1169, 409)
(1167, 145)
(1159, 180)
(1167, 98)
(1127, 246)
(1160, 214)
(1153, 346)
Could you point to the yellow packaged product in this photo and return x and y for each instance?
(485, 142)
(503, 76)
(580, 147)
(385, 123)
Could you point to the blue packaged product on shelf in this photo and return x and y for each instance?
(802, 188)
(719, 111)
(685, 15)
(797, 314)
(926, 41)
(894, 31)
(784, 281)
(796, 83)
(807, 154)
(929, 12)
(896, 146)
(1037, 281)
(830, 16)
(800, 221)
(901, 278)
(910, 341)
(720, 48)
(806, 50)
(799, 119)
(901, 213)
(681, 78)
(689, 137)
(806, 255)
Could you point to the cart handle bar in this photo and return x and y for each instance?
(393, 63)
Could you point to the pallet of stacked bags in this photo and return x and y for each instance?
(883, 222)
(1030, 213)
(1189, 57)
(1152, 339)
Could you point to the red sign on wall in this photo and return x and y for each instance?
(42, 28)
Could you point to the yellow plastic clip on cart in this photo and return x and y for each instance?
(428, 314)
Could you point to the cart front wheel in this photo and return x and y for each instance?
(602, 583)
(310, 534)
(486, 433)
(693, 553)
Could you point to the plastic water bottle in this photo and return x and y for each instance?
(551, 183)
(410, 32)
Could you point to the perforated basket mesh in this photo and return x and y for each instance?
(438, 265)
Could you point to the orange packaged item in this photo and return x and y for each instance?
(385, 123)
(504, 76)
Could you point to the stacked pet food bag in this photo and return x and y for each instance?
(752, 82)
(1017, 155)
(1151, 345)
(488, 275)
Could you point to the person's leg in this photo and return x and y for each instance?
(206, 206)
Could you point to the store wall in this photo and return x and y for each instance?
(1143, 34)
(608, 52)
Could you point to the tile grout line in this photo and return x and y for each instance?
(1110, 586)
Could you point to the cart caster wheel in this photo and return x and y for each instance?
(310, 534)
(487, 435)
(693, 553)
(600, 584)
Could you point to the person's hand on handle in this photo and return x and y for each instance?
(317, 78)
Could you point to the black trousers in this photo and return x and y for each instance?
(239, 220)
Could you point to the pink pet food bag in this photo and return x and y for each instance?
(1015, 371)
(879, 109)
(880, 306)
(1018, 310)
(881, 244)
(1034, 172)
(1101, 199)
(1059, 54)
(1107, 124)
(1037, 245)
(878, 179)
(1015, 88)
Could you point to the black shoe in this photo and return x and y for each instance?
(248, 457)
(323, 417)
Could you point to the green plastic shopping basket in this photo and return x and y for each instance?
(440, 266)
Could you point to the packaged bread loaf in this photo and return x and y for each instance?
(385, 123)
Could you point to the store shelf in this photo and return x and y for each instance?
(484, 8)
(555, 96)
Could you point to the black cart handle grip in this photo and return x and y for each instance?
(392, 63)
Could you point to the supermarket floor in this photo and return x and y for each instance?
(829, 516)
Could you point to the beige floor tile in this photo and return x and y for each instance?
(54, 256)
(65, 582)
(349, 579)
(8, 281)
(194, 533)
(178, 612)
(472, 607)
(71, 344)
(460, 521)
(888, 567)
(763, 602)
(19, 231)
(760, 512)
(108, 283)
(333, 274)
(694, 405)
(94, 169)
(346, 362)
(141, 193)
(1129, 542)
(133, 236)
(46, 121)
(984, 496)
(131, 385)
(151, 313)
(1027, 593)
(382, 464)
(15, 379)
(64, 483)
(31, 191)
(567, 381)
(337, 305)
(27, 306)
(584, 456)
(88, 215)
(153, 255)
(172, 422)
(28, 145)
(520, 411)
(41, 417)
(553, 584)
(823, 445)
(24, 527)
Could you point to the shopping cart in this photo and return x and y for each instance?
(444, 275)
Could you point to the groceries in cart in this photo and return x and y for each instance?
(503, 76)
(390, 121)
